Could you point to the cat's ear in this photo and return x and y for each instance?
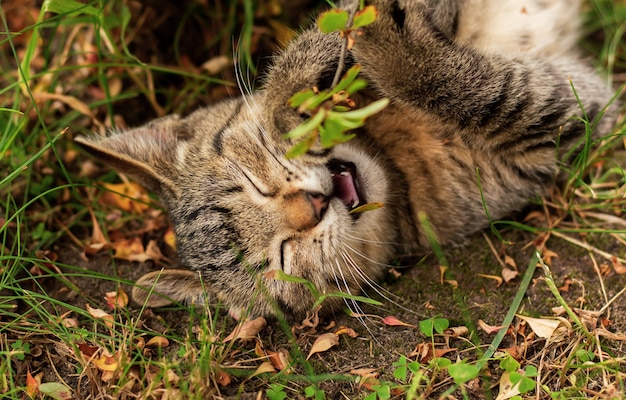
(161, 288)
(147, 154)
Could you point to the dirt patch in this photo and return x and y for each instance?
(418, 293)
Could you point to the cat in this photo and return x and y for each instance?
(481, 108)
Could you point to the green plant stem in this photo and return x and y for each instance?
(555, 292)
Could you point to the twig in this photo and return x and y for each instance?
(589, 247)
(344, 49)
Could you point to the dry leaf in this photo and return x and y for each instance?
(442, 273)
(280, 359)
(87, 350)
(498, 279)
(507, 389)
(424, 352)
(32, 384)
(129, 196)
(610, 335)
(342, 330)
(106, 362)
(565, 288)
(488, 328)
(70, 322)
(544, 327)
(247, 330)
(548, 255)
(365, 372)
(617, 266)
(116, 300)
(98, 241)
(457, 331)
(71, 101)
(265, 367)
(509, 274)
(393, 321)
(170, 238)
(453, 283)
(223, 378)
(510, 262)
(324, 342)
(157, 341)
(216, 65)
(100, 314)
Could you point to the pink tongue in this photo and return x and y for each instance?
(344, 189)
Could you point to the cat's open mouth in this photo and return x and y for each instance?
(346, 184)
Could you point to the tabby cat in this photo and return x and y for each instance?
(481, 109)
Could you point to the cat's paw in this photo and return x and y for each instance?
(397, 22)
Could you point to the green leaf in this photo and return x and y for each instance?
(526, 385)
(346, 296)
(384, 392)
(366, 207)
(71, 7)
(357, 85)
(509, 364)
(515, 377)
(429, 326)
(371, 396)
(415, 366)
(307, 126)
(364, 17)
(297, 99)
(347, 78)
(367, 111)
(333, 20)
(300, 148)
(332, 133)
(530, 371)
(314, 391)
(462, 372)
(400, 371)
(56, 390)
(441, 324)
(440, 362)
(280, 275)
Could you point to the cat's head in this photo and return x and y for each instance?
(241, 208)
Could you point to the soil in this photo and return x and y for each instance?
(416, 294)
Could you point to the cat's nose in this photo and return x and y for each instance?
(303, 210)
(319, 202)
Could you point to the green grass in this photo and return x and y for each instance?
(81, 68)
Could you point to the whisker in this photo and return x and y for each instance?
(357, 310)
(381, 291)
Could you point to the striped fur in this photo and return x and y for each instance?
(481, 91)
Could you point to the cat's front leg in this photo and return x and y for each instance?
(498, 102)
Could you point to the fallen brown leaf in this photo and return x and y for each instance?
(324, 342)
(116, 300)
(545, 327)
(100, 314)
(424, 352)
(129, 196)
(393, 321)
(247, 330)
(343, 330)
(509, 274)
(488, 328)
